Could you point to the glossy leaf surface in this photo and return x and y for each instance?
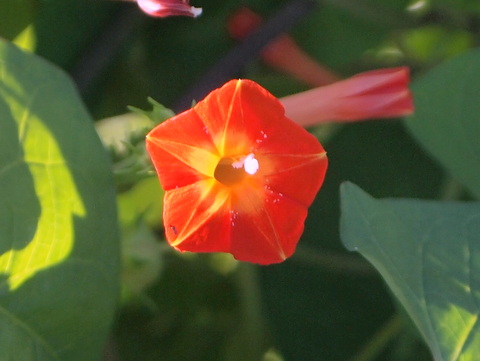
(429, 254)
(58, 233)
(446, 117)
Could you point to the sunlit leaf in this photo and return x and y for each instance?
(429, 254)
(27, 39)
(58, 233)
(446, 118)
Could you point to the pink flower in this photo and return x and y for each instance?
(375, 94)
(380, 93)
(164, 8)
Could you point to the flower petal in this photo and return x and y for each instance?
(297, 177)
(374, 94)
(255, 121)
(217, 221)
(195, 217)
(234, 114)
(182, 150)
(164, 8)
(270, 233)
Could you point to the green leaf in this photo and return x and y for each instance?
(303, 295)
(446, 117)
(59, 256)
(429, 254)
(158, 114)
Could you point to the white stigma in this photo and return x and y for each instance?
(250, 164)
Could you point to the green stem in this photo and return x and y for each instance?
(450, 190)
(334, 261)
(380, 339)
(249, 342)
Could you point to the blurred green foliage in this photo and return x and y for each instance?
(324, 303)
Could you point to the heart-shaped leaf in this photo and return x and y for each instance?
(429, 254)
(59, 254)
(446, 119)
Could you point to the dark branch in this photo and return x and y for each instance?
(232, 63)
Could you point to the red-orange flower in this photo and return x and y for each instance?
(164, 8)
(238, 175)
